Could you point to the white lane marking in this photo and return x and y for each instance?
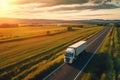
(89, 60)
(95, 39)
(53, 71)
(64, 63)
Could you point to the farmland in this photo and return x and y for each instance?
(27, 32)
(25, 59)
(105, 64)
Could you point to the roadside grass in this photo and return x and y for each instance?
(86, 76)
(26, 61)
(106, 64)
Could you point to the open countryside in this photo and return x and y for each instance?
(59, 39)
(27, 58)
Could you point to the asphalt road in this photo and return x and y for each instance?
(73, 71)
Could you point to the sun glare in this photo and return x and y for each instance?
(4, 4)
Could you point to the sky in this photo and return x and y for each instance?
(60, 9)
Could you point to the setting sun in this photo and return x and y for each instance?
(4, 4)
(7, 8)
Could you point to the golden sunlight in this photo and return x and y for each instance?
(6, 8)
(4, 4)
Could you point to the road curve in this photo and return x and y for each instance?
(73, 71)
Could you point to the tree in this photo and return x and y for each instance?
(48, 32)
(69, 28)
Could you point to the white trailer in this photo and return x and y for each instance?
(74, 50)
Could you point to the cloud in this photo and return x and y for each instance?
(100, 1)
(74, 8)
(52, 2)
(41, 6)
(62, 5)
(64, 2)
(97, 15)
(85, 7)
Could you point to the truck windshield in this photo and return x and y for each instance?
(69, 54)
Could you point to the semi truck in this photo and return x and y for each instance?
(73, 51)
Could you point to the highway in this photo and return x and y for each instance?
(74, 71)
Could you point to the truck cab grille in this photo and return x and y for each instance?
(67, 60)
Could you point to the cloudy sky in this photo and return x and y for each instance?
(60, 9)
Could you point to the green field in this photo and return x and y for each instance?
(25, 59)
(106, 64)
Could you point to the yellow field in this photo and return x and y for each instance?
(25, 32)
